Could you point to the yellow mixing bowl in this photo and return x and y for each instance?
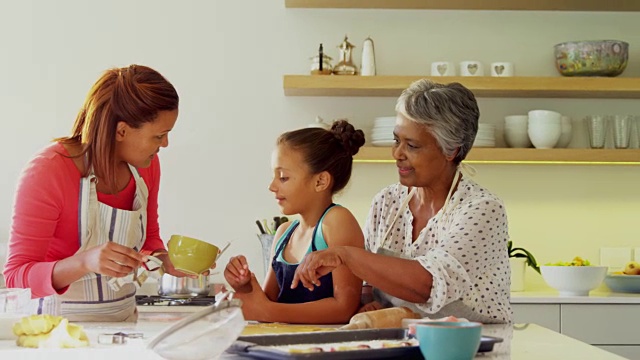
(191, 256)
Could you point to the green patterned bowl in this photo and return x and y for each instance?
(592, 58)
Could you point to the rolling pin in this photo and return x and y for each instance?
(380, 319)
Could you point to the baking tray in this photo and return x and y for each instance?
(259, 346)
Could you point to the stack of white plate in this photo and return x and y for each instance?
(486, 136)
(382, 132)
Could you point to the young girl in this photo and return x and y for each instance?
(310, 165)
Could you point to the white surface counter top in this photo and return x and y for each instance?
(521, 342)
(595, 297)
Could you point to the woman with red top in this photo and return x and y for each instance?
(86, 207)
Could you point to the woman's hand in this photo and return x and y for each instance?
(237, 274)
(315, 265)
(167, 266)
(111, 259)
(372, 306)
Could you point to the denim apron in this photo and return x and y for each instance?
(91, 298)
(285, 271)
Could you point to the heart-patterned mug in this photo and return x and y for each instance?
(443, 68)
(502, 69)
(471, 68)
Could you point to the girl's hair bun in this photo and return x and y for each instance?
(351, 138)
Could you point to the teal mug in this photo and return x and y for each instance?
(443, 340)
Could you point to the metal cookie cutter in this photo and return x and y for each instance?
(118, 338)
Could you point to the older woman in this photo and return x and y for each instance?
(437, 241)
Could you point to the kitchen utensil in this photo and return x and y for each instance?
(203, 335)
(222, 296)
(266, 227)
(260, 227)
(223, 250)
(118, 338)
(276, 223)
(591, 58)
(191, 256)
(380, 319)
(183, 287)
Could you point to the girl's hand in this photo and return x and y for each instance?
(237, 274)
(255, 303)
(111, 259)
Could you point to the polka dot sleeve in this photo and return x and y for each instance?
(469, 261)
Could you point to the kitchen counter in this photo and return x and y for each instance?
(521, 342)
(552, 297)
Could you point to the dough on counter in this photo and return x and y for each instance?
(280, 328)
(363, 345)
(36, 324)
(46, 331)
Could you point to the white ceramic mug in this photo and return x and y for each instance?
(502, 69)
(443, 68)
(471, 68)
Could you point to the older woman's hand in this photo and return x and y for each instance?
(315, 265)
(372, 306)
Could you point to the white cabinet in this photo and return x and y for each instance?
(609, 326)
(547, 315)
(601, 324)
(629, 352)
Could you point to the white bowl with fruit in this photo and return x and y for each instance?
(575, 278)
(626, 281)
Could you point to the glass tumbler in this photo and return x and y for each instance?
(622, 130)
(597, 127)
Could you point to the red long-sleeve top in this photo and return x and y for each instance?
(44, 227)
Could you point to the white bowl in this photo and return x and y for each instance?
(623, 283)
(566, 132)
(517, 139)
(544, 136)
(574, 280)
(205, 334)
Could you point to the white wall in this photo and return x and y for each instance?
(227, 60)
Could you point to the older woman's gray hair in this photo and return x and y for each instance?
(450, 112)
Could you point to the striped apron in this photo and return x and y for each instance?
(91, 298)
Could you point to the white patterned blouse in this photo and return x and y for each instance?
(464, 248)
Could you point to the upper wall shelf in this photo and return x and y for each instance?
(369, 154)
(486, 86)
(564, 5)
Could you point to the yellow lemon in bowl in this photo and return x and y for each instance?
(191, 256)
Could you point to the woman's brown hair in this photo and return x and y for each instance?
(133, 94)
(327, 150)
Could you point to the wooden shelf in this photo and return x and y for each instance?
(485, 86)
(564, 5)
(370, 154)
